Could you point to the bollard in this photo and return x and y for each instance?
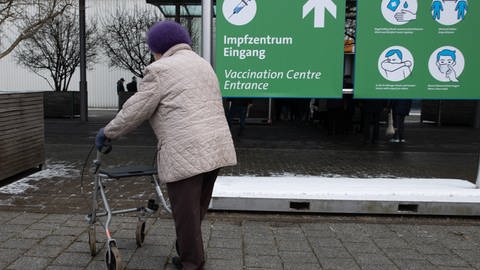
(478, 173)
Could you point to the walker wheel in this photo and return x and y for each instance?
(92, 240)
(112, 258)
(140, 233)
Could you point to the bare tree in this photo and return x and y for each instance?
(20, 19)
(350, 20)
(124, 38)
(55, 50)
(193, 25)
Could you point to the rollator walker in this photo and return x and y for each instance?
(112, 257)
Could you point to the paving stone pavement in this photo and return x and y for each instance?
(247, 241)
(44, 226)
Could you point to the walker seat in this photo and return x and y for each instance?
(128, 171)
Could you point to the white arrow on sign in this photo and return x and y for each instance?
(319, 7)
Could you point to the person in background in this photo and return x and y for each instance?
(180, 96)
(371, 113)
(318, 111)
(120, 86)
(300, 109)
(239, 107)
(132, 86)
(400, 109)
(335, 109)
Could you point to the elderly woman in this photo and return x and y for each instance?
(180, 96)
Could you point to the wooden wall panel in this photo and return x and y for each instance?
(22, 139)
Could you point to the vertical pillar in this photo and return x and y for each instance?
(83, 65)
(476, 119)
(207, 30)
(177, 13)
(478, 173)
(439, 117)
(269, 120)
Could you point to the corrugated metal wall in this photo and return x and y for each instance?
(101, 79)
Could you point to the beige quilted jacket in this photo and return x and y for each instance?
(181, 97)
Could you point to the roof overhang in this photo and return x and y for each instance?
(175, 2)
(186, 8)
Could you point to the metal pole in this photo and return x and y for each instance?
(207, 30)
(439, 119)
(476, 120)
(177, 13)
(269, 120)
(478, 173)
(83, 65)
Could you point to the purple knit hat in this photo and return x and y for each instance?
(165, 34)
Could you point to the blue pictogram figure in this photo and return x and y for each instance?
(239, 7)
(461, 9)
(437, 7)
(393, 5)
(395, 68)
(393, 52)
(446, 61)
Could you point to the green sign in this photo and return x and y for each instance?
(417, 49)
(280, 48)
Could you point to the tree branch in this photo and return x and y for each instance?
(33, 27)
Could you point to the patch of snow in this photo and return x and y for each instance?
(364, 189)
(6, 202)
(57, 169)
(328, 175)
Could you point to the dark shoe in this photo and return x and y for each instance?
(177, 262)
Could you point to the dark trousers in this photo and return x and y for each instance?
(371, 126)
(241, 111)
(399, 125)
(189, 199)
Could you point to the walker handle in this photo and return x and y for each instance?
(106, 148)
